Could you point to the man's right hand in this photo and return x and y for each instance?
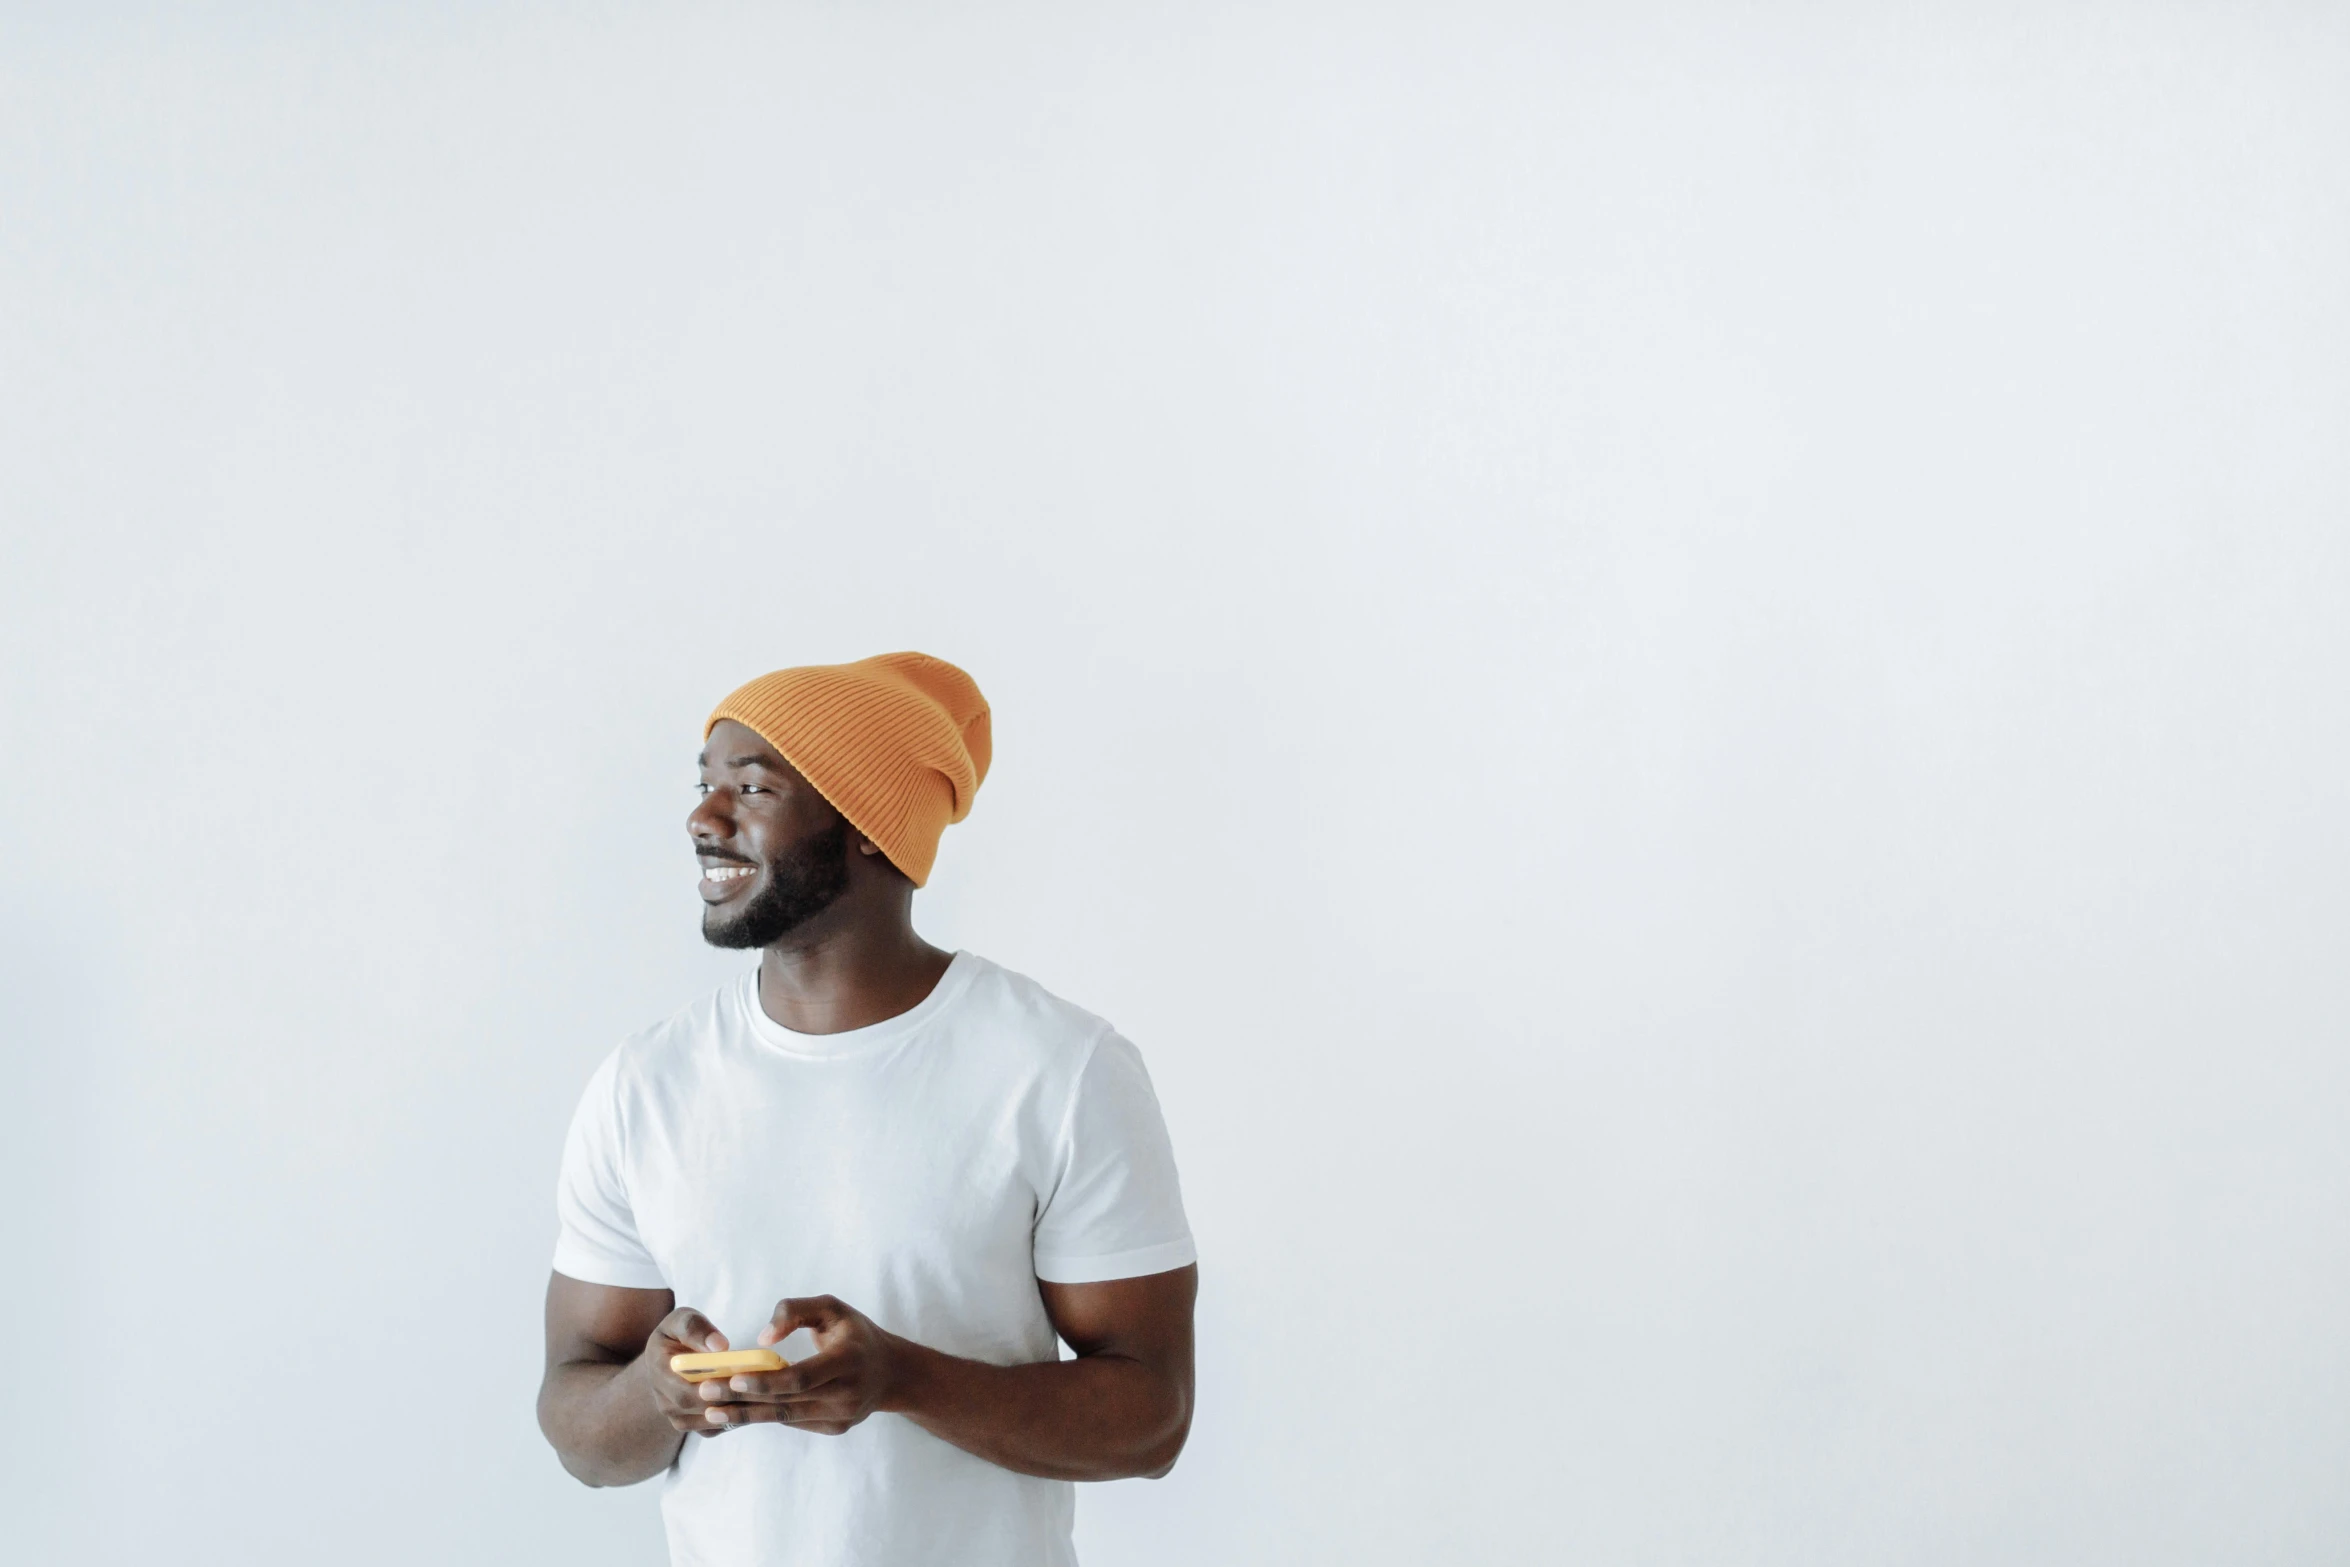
(684, 1331)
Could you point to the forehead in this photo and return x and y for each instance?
(737, 745)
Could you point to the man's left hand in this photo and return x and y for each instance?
(852, 1373)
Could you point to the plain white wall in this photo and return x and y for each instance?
(1682, 666)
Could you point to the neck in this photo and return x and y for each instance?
(851, 973)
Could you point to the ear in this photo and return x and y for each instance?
(868, 846)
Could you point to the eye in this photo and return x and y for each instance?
(752, 789)
(701, 788)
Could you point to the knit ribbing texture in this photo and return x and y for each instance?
(899, 743)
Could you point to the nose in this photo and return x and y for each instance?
(709, 819)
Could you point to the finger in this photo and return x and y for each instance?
(801, 1377)
(725, 1417)
(804, 1311)
(795, 1381)
(715, 1390)
(690, 1328)
(834, 1401)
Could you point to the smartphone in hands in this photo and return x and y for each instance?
(725, 1363)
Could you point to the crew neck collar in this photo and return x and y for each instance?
(852, 1041)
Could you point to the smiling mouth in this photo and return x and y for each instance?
(723, 878)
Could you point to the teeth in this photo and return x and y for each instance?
(725, 872)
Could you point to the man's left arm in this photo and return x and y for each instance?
(1122, 1408)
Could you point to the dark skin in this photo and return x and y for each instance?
(609, 1403)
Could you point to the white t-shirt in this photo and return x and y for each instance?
(927, 1170)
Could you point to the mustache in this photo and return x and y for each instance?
(702, 852)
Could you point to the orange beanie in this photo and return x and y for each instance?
(898, 743)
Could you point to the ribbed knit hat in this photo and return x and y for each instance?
(898, 742)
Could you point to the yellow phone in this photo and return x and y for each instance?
(725, 1363)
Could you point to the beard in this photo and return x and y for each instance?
(800, 885)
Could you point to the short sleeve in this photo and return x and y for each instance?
(1115, 1210)
(597, 1242)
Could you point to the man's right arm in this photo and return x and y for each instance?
(613, 1410)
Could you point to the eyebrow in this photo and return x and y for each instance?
(767, 762)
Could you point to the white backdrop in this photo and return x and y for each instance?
(1682, 667)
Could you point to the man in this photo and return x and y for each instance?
(925, 1163)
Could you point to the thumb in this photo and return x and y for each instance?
(805, 1311)
(689, 1327)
